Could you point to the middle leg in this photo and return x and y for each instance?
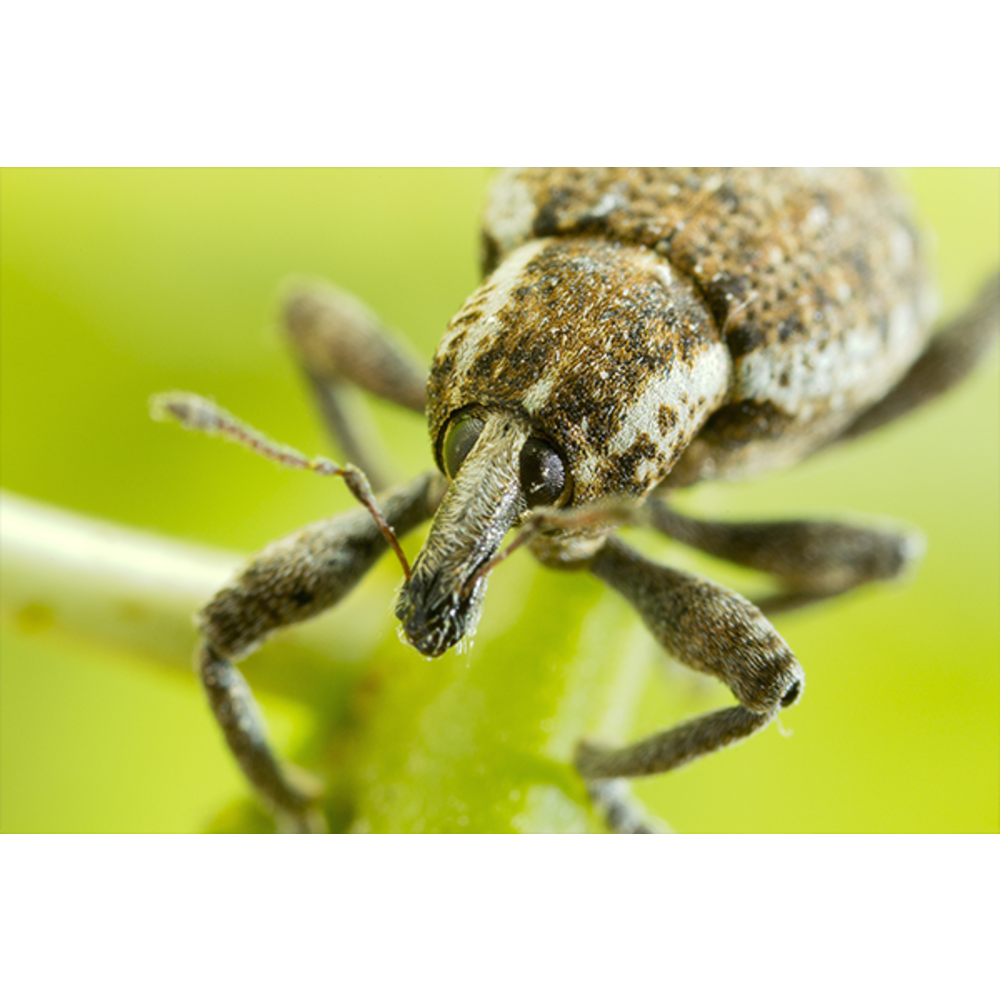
(813, 560)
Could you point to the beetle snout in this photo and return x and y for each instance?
(441, 602)
(435, 616)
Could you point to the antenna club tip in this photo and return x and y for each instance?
(184, 407)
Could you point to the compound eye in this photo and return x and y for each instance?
(543, 475)
(462, 435)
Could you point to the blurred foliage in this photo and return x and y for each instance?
(118, 284)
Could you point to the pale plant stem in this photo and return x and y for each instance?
(66, 574)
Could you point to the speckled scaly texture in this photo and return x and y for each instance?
(608, 352)
(814, 278)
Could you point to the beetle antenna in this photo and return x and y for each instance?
(527, 532)
(195, 413)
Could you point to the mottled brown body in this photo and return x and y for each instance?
(813, 279)
(637, 330)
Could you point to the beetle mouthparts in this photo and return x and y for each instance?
(439, 618)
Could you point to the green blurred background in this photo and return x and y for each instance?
(120, 283)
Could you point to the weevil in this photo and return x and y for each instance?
(637, 331)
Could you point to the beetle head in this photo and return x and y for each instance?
(580, 369)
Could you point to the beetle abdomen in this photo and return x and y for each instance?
(815, 278)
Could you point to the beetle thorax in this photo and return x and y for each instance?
(605, 348)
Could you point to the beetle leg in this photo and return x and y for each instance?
(291, 581)
(340, 344)
(813, 559)
(710, 629)
(950, 356)
(622, 813)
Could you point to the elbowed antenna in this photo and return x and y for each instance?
(195, 413)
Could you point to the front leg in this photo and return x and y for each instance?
(291, 581)
(710, 629)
